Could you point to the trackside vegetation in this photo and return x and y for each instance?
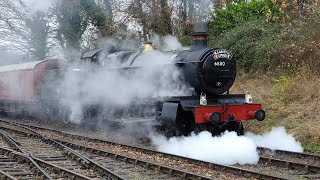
(277, 44)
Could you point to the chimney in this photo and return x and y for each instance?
(200, 40)
(200, 35)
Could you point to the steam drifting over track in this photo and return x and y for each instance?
(272, 164)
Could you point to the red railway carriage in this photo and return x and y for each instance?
(20, 84)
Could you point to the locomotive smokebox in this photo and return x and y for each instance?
(200, 40)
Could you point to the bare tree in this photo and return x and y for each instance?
(24, 31)
(137, 12)
(108, 4)
(164, 24)
(190, 9)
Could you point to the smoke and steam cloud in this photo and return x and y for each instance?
(154, 78)
(228, 148)
(203, 10)
(276, 139)
(168, 43)
(12, 57)
(38, 5)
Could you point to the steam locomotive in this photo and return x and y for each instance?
(210, 72)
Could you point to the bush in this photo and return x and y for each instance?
(253, 43)
(279, 46)
(238, 13)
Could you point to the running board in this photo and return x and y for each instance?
(133, 120)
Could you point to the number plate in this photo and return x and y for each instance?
(219, 64)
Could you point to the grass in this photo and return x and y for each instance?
(290, 101)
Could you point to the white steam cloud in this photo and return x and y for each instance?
(229, 148)
(154, 77)
(38, 5)
(278, 138)
(169, 43)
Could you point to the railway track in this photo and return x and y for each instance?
(55, 159)
(49, 153)
(311, 159)
(124, 167)
(271, 166)
(15, 165)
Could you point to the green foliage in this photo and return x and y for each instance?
(280, 88)
(74, 17)
(281, 41)
(269, 35)
(72, 23)
(97, 17)
(253, 43)
(238, 13)
(184, 36)
(281, 84)
(39, 30)
(310, 147)
(245, 29)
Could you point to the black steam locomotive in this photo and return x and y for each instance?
(52, 89)
(210, 72)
